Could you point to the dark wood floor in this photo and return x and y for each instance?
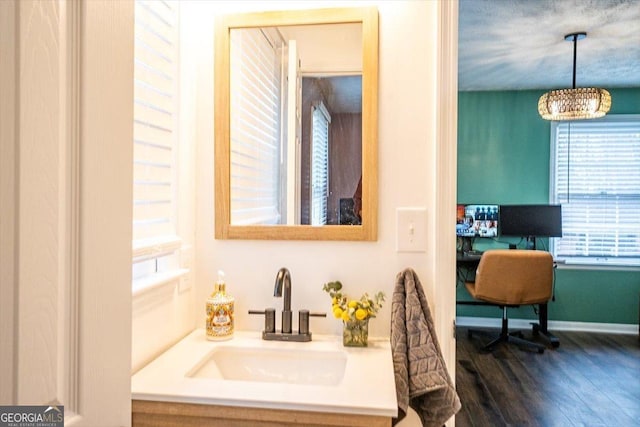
(589, 380)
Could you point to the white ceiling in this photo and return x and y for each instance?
(519, 44)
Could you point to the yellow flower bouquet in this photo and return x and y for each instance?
(355, 314)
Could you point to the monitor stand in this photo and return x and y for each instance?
(531, 243)
(466, 244)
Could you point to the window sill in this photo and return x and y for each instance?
(149, 284)
(600, 267)
(151, 248)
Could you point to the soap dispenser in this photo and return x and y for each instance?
(220, 312)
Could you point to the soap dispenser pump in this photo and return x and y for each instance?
(220, 307)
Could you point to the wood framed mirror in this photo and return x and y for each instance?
(296, 125)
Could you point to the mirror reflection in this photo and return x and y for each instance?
(296, 125)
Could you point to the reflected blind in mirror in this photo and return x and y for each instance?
(256, 111)
(319, 164)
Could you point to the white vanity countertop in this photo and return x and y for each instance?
(368, 385)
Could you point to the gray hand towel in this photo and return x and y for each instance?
(422, 379)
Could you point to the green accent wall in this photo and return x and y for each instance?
(503, 158)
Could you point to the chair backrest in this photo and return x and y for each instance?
(514, 276)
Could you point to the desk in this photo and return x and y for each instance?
(466, 265)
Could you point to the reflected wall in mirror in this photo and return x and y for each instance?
(296, 125)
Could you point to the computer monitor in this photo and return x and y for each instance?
(479, 220)
(531, 220)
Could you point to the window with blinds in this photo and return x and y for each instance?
(256, 126)
(319, 164)
(155, 144)
(596, 177)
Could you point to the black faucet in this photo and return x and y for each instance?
(283, 280)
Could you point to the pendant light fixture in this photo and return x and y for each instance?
(574, 103)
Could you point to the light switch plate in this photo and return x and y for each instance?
(411, 230)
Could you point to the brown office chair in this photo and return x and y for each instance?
(510, 278)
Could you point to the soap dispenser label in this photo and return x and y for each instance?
(219, 320)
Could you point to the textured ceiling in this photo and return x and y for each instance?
(519, 44)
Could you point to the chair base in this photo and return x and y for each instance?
(537, 330)
(506, 337)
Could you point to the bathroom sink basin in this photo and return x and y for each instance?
(316, 376)
(272, 365)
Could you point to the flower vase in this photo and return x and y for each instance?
(355, 333)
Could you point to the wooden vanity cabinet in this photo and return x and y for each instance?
(146, 413)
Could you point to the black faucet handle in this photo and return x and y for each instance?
(318, 314)
(269, 318)
(303, 320)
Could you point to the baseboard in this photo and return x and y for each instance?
(558, 325)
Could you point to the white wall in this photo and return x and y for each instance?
(407, 175)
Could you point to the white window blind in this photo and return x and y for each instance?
(155, 144)
(596, 178)
(319, 164)
(256, 111)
